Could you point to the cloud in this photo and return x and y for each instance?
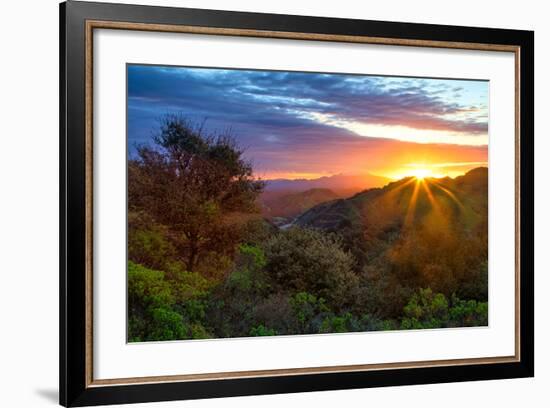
(284, 98)
(274, 112)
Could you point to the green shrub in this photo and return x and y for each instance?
(165, 324)
(147, 243)
(427, 310)
(187, 285)
(338, 324)
(147, 288)
(261, 330)
(306, 305)
(160, 309)
(198, 331)
(308, 312)
(253, 255)
(248, 275)
(469, 313)
(305, 260)
(275, 312)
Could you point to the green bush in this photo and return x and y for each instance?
(187, 285)
(338, 324)
(147, 243)
(261, 330)
(161, 309)
(147, 288)
(254, 256)
(469, 313)
(275, 312)
(306, 307)
(305, 260)
(248, 275)
(198, 331)
(165, 324)
(427, 310)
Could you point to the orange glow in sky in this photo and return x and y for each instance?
(387, 158)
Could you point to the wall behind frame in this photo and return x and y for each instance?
(29, 205)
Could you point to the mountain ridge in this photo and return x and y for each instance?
(391, 204)
(337, 183)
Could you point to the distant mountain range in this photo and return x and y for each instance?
(285, 199)
(340, 184)
(287, 205)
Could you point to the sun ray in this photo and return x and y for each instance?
(412, 204)
(400, 187)
(450, 194)
(433, 201)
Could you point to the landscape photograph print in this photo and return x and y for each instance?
(269, 203)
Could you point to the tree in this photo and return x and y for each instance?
(193, 182)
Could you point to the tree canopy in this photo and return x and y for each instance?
(192, 181)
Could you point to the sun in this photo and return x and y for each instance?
(421, 174)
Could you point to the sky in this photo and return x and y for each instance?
(307, 125)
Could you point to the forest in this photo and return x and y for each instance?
(209, 257)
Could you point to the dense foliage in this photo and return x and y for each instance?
(203, 262)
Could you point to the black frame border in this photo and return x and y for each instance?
(72, 125)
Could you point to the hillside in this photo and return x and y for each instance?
(289, 205)
(462, 200)
(429, 233)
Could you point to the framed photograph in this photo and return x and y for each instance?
(256, 204)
